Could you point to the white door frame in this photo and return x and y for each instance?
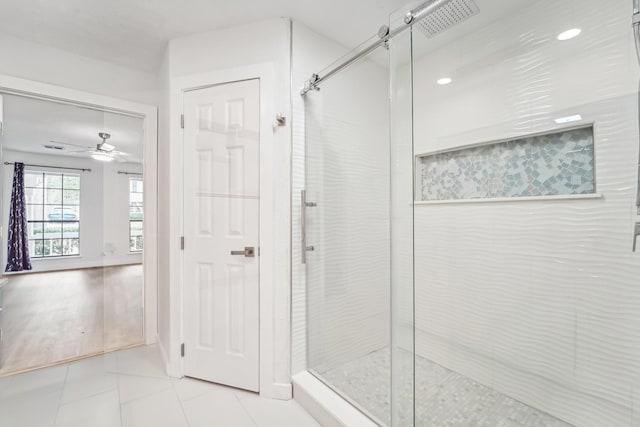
(275, 350)
(149, 115)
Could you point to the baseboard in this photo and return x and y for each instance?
(175, 370)
(172, 370)
(279, 391)
(165, 360)
(65, 265)
(324, 405)
(150, 339)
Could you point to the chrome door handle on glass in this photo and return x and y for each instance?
(303, 226)
(248, 252)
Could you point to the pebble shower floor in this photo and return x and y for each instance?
(443, 398)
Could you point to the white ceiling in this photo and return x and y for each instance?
(134, 33)
(29, 124)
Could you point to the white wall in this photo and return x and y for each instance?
(32, 61)
(197, 56)
(248, 44)
(538, 300)
(104, 211)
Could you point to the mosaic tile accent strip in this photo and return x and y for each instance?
(558, 163)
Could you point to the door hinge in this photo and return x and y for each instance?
(182, 350)
(182, 121)
(182, 242)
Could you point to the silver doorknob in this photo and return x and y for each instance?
(249, 252)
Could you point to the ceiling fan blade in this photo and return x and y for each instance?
(72, 145)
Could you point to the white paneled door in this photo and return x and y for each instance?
(221, 219)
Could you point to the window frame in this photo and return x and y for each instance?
(44, 222)
(141, 206)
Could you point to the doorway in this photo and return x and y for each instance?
(221, 129)
(80, 291)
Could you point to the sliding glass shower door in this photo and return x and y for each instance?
(348, 244)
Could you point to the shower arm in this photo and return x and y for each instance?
(410, 18)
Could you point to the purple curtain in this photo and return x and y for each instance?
(18, 243)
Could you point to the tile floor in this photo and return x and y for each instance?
(128, 388)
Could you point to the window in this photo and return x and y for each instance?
(136, 215)
(53, 213)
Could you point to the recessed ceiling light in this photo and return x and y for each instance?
(102, 157)
(569, 34)
(444, 81)
(568, 119)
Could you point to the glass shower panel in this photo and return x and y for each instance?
(402, 224)
(526, 142)
(348, 234)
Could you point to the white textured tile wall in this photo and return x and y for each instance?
(345, 303)
(539, 300)
(310, 53)
(347, 176)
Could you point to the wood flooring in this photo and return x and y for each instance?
(59, 316)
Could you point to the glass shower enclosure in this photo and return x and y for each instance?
(471, 217)
(348, 234)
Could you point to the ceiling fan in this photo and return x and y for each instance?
(103, 151)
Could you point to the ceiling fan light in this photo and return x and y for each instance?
(102, 157)
(106, 147)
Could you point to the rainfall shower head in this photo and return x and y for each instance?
(447, 16)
